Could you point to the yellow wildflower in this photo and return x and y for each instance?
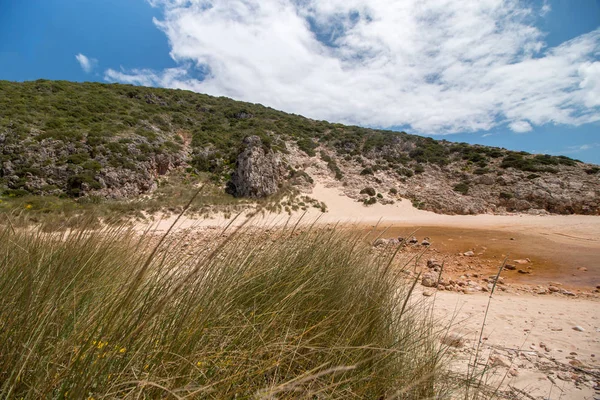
(28, 206)
(122, 350)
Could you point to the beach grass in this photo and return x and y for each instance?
(103, 313)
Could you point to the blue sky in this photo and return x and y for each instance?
(517, 74)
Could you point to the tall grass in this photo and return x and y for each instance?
(105, 314)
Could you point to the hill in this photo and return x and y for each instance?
(83, 140)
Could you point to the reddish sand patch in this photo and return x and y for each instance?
(550, 261)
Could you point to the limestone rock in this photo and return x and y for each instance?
(257, 172)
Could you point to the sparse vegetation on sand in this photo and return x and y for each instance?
(91, 313)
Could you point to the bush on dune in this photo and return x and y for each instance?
(99, 313)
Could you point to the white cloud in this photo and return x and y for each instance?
(546, 8)
(440, 66)
(520, 126)
(87, 64)
(590, 72)
(583, 147)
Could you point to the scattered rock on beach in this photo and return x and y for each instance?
(453, 340)
(510, 267)
(468, 253)
(380, 242)
(429, 279)
(386, 242)
(499, 361)
(544, 347)
(433, 263)
(578, 328)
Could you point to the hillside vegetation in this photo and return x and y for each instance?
(78, 140)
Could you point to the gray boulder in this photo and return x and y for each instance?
(257, 171)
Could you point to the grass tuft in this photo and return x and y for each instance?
(105, 313)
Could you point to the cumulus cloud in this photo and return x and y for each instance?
(439, 66)
(520, 126)
(87, 64)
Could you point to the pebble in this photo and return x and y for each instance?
(453, 340)
(499, 361)
(578, 328)
(544, 346)
(576, 363)
(468, 254)
(563, 376)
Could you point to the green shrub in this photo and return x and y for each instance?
(407, 172)
(393, 191)
(367, 171)
(75, 184)
(506, 195)
(538, 163)
(481, 171)
(78, 158)
(419, 169)
(368, 191)
(462, 188)
(592, 170)
(370, 200)
(308, 146)
(332, 165)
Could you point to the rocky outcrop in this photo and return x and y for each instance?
(110, 169)
(257, 172)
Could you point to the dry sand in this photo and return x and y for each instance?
(516, 325)
(516, 321)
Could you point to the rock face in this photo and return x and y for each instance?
(257, 172)
(105, 168)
